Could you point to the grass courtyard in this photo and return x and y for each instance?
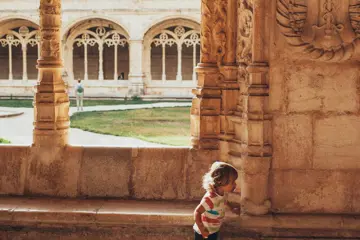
(4, 141)
(169, 126)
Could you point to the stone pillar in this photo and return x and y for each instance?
(251, 148)
(70, 60)
(194, 63)
(86, 76)
(10, 62)
(51, 171)
(229, 85)
(205, 110)
(24, 53)
(51, 101)
(38, 52)
(179, 71)
(101, 62)
(115, 61)
(136, 75)
(163, 76)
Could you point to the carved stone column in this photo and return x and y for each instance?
(250, 150)
(86, 75)
(115, 62)
(229, 85)
(51, 101)
(136, 75)
(194, 63)
(24, 53)
(101, 62)
(10, 62)
(163, 76)
(51, 171)
(205, 110)
(179, 67)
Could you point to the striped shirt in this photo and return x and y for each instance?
(214, 214)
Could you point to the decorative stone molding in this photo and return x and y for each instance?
(206, 107)
(250, 149)
(213, 40)
(326, 31)
(244, 33)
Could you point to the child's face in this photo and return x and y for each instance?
(230, 187)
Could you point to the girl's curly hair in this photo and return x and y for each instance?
(219, 175)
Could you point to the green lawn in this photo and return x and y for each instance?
(27, 103)
(160, 125)
(4, 141)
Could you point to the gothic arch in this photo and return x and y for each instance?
(93, 20)
(90, 34)
(168, 22)
(19, 48)
(173, 34)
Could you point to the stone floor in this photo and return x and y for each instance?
(18, 129)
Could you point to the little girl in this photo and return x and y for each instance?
(211, 210)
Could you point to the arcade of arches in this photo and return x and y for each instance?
(97, 51)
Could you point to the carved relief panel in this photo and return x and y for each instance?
(327, 30)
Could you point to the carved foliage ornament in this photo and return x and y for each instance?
(178, 36)
(213, 32)
(101, 36)
(327, 30)
(22, 36)
(245, 27)
(50, 7)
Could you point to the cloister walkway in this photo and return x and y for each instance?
(19, 129)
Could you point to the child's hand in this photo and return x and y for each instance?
(235, 210)
(205, 233)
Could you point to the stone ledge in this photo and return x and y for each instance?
(30, 211)
(19, 214)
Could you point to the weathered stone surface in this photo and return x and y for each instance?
(322, 87)
(277, 94)
(316, 191)
(199, 162)
(292, 141)
(336, 142)
(355, 193)
(160, 173)
(13, 162)
(53, 172)
(105, 172)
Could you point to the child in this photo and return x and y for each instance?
(211, 210)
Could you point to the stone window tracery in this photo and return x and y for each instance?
(179, 36)
(101, 36)
(22, 36)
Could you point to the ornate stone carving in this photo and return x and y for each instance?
(324, 31)
(178, 36)
(51, 7)
(51, 100)
(213, 31)
(100, 36)
(245, 25)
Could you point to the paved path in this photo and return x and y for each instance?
(19, 129)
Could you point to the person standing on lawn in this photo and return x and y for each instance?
(79, 93)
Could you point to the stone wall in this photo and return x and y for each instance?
(316, 129)
(107, 172)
